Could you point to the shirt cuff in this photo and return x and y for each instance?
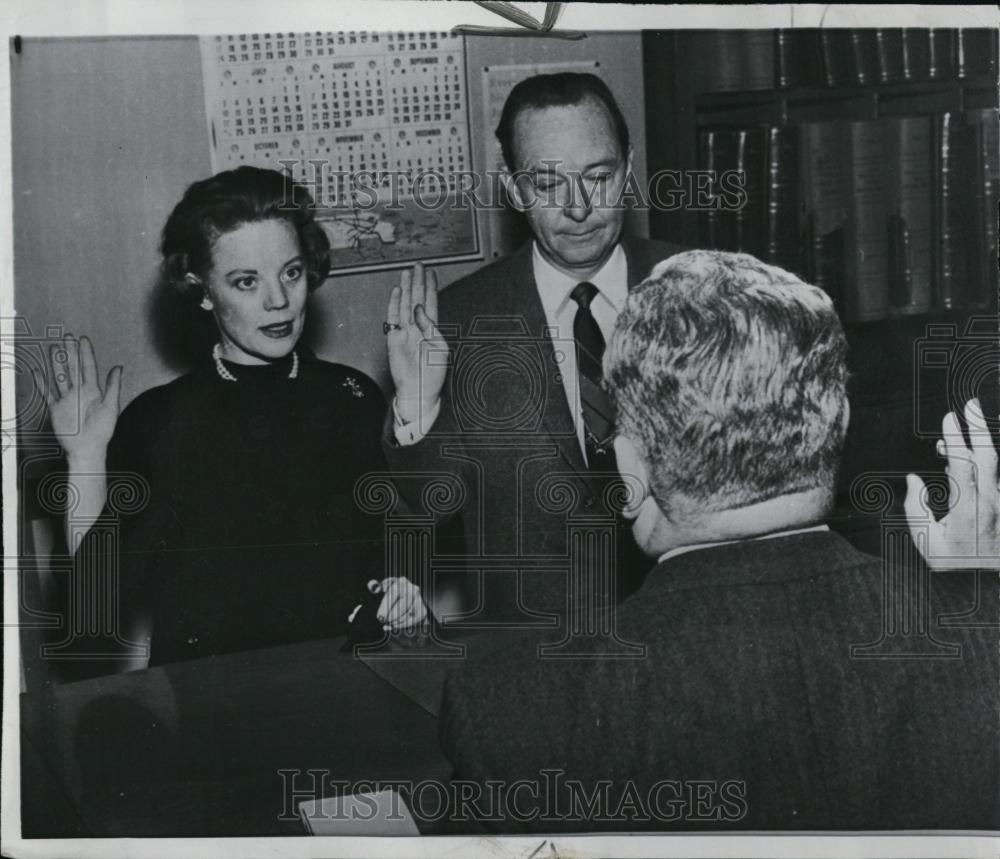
(411, 433)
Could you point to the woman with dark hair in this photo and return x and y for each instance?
(249, 535)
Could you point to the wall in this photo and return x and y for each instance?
(108, 132)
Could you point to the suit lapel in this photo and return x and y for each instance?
(635, 263)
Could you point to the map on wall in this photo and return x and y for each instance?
(375, 125)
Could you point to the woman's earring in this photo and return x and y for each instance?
(194, 280)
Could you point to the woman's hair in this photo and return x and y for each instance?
(225, 201)
(730, 375)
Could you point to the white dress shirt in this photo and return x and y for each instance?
(554, 288)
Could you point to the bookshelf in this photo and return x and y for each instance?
(887, 98)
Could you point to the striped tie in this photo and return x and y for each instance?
(598, 417)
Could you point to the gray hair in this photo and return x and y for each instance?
(730, 376)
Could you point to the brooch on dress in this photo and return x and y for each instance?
(352, 385)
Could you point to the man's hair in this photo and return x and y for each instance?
(559, 90)
(730, 376)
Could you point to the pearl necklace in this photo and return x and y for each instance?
(225, 375)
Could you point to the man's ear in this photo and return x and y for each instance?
(633, 471)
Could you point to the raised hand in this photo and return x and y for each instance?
(418, 354)
(968, 535)
(83, 414)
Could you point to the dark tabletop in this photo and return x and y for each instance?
(225, 745)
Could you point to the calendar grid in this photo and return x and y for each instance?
(359, 117)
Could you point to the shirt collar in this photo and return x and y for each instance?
(555, 286)
(680, 550)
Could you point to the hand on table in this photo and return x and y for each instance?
(968, 535)
(413, 310)
(402, 606)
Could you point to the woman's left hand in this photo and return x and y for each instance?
(402, 605)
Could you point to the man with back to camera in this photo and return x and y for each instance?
(763, 701)
(517, 413)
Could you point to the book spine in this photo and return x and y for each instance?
(889, 49)
(975, 52)
(834, 55)
(784, 240)
(824, 212)
(758, 70)
(951, 242)
(796, 57)
(984, 180)
(717, 153)
(916, 55)
(866, 251)
(941, 54)
(863, 57)
(733, 60)
(911, 213)
(751, 219)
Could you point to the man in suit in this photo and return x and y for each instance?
(774, 692)
(502, 396)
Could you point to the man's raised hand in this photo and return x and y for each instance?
(417, 351)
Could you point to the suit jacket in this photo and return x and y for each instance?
(506, 441)
(749, 686)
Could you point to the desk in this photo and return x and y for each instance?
(197, 748)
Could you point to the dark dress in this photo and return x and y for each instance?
(251, 536)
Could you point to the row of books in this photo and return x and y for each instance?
(743, 60)
(890, 216)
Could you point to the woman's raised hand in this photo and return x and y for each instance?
(83, 414)
(418, 354)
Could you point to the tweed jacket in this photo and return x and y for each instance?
(778, 676)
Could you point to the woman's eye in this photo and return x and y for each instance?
(247, 282)
(293, 272)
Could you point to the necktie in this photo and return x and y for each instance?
(598, 417)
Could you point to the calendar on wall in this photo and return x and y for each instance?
(375, 125)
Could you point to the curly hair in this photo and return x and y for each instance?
(223, 202)
(730, 376)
